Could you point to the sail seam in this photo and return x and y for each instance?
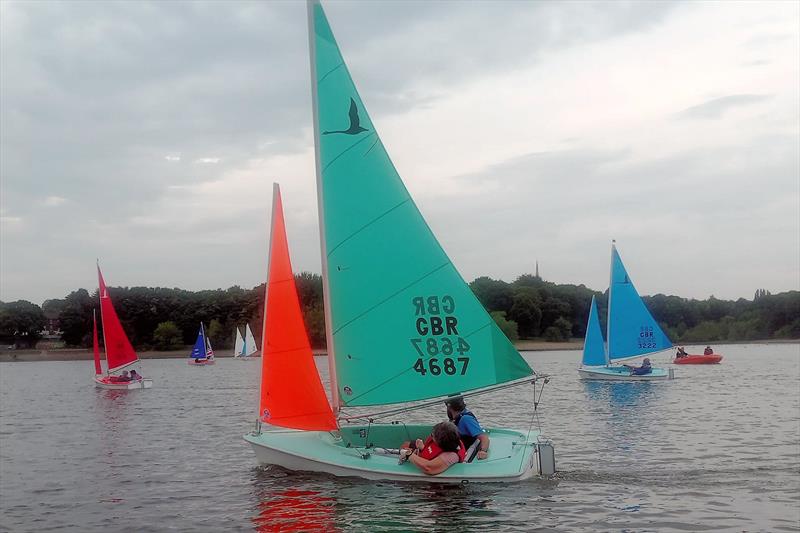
(340, 328)
(365, 226)
(379, 385)
(331, 71)
(347, 150)
(271, 352)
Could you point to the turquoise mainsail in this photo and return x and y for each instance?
(632, 330)
(403, 324)
(594, 350)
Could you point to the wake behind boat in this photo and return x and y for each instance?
(119, 351)
(631, 332)
(402, 325)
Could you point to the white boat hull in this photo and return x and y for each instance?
(513, 457)
(144, 383)
(616, 373)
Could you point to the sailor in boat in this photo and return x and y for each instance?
(439, 452)
(640, 370)
(468, 427)
(708, 351)
(135, 376)
(681, 352)
(124, 378)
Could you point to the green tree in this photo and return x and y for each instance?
(21, 322)
(167, 336)
(526, 313)
(495, 295)
(508, 327)
(218, 335)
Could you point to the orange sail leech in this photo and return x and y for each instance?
(292, 395)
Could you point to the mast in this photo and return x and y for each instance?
(321, 211)
(103, 322)
(276, 192)
(608, 317)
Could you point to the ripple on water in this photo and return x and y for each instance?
(703, 452)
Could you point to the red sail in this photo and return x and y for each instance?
(97, 368)
(292, 395)
(119, 352)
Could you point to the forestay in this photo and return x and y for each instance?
(405, 326)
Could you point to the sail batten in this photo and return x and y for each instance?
(397, 309)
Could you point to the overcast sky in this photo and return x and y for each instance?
(148, 134)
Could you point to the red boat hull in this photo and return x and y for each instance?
(697, 359)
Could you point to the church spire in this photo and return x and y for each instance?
(537, 270)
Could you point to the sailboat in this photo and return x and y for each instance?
(631, 332)
(245, 347)
(201, 354)
(402, 324)
(238, 346)
(119, 352)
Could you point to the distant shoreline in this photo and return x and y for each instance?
(82, 354)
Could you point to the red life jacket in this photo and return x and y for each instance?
(431, 450)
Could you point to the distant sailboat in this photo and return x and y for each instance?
(119, 352)
(631, 332)
(249, 342)
(238, 347)
(201, 354)
(402, 324)
(244, 347)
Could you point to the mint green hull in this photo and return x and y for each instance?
(513, 454)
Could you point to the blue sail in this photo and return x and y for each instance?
(632, 330)
(199, 348)
(594, 350)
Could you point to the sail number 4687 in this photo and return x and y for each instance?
(429, 348)
(448, 366)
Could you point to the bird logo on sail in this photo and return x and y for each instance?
(355, 123)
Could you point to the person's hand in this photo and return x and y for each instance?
(482, 454)
(419, 444)
(404, 453)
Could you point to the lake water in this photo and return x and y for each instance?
(716, 449)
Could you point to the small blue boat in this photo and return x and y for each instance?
(201, 354)
(631, 332)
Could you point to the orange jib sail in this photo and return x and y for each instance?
(119, 352)
(97, 368)
(292, 395)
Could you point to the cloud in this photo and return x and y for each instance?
(523, 130)
(53, 201)
(717, 107)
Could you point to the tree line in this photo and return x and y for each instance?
(527, 308)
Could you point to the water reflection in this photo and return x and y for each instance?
(295, 510)
(627, 408)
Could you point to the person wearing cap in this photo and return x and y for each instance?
(681, 352)
(640, 370)
(468, 426)
(708, 351)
